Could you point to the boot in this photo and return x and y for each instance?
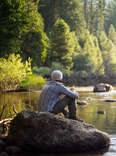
(66, 115)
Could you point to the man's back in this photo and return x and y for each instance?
(50, 95)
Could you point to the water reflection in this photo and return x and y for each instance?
(89, 113)
(96, 102)
(21, 101)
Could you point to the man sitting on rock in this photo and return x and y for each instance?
(50, 97)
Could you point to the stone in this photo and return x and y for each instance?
(110, 100)
(81, 103)
(45, 132)
(100, 112)
(102, 87)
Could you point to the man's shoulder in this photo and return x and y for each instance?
(55, 83)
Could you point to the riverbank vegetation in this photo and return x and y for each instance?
(78, 37)
(16, 74)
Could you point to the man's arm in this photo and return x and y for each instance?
(71, 93)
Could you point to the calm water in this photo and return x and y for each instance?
(96, 101)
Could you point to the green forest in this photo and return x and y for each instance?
(77, 37)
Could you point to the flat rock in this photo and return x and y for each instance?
(45, 132)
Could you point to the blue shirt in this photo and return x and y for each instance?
(51, 93)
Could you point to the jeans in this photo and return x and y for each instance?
(60, 107)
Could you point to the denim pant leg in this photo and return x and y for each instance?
(60, 107)
(72, 108)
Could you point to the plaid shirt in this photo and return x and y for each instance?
(51, 93)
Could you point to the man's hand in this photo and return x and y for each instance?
(72, 89)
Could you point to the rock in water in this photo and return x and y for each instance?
(45, 132)
(82, 103)
(102, 87)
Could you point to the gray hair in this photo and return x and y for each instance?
(56, 75)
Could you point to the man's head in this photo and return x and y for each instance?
(57, 75)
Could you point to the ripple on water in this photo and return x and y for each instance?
(113, 107)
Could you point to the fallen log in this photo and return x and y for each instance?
(4, 124)
(5, 121)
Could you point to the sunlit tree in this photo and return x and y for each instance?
(62, 46)
(16, 18)
(69, 10)
(108, 53)
(112, 34)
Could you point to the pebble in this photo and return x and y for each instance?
(82, 103)
(100, 112)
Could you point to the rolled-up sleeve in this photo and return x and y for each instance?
(66, 91)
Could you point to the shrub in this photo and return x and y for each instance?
(43, 71)
(33, 82)
(57, 65)
(13, 71)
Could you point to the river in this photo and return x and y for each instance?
(89, 113)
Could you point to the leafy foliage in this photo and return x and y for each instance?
(33, 82)
(13, 71)
(43, 71)
(112, 34)
(62, 47)
(77, 37)
(34, 45)
(69, 11)
(94, 13)
(111, 15)
(89, 58)
(16, 18)
(108, 53)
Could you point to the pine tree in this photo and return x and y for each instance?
(34, 40)
(94, 12)
(68, 10)
(34, 45)
(89, 59)
(108, 54)
(112, 34)
(16, 18)
(111, 15)
(62, 46)
(100, 16)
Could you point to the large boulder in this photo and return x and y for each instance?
(45, 132)
(102, 87)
